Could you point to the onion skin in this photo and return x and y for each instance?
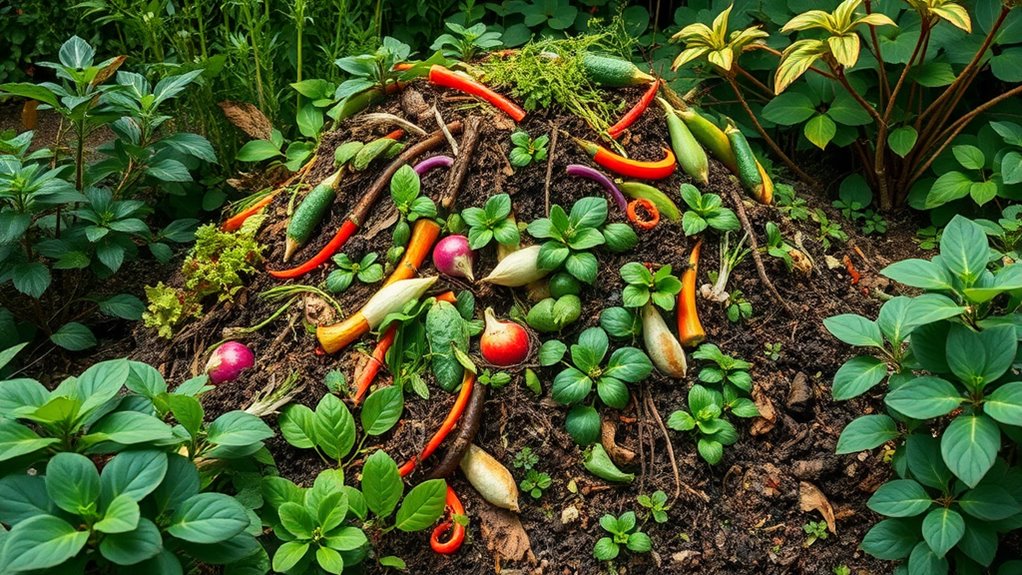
(517, 269)
(433, 162)
(663, 348)
(453, 257)
(503, 343)
(582, 171)
(491, 479)
(228, 361)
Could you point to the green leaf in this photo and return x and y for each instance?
(970, 157)
(72, 482)
(237, 429)
(120, 516)
(382, 409)
(187, 411)
(629, 364)
(925, 397)
(902, 140)
(570, 386)
(393, 562)
(22, 497)
(919, 273)
(989, 503)
(857, 376)
(309, 120)
(133, 473)
(551, 352)
(134, 546)
(605, 549)
(335, 427)
(297, 425)
(297, 520)
(948, 187)
(788, 109)
(978, 358)
(381, 484)
(942, 529)
(288, 555)
(257, 151)
(123, 305)
(922, 453)
(979, 542)
(964, 249)
(639, 542)
(983, 192)
(969, 447)
(583, 424)
(180, 482)
(423, 506)
(900, 498)
(40, 542)
(891, 539)
(866, 432)
(612, 392)
(923, 561)
(73, 336)
(1011, 168)
(1005, 404)
(583, 266)
(329, 560)
(588, 212)
(17, 440)
(208, 518)
(128, 428)
(820, 130)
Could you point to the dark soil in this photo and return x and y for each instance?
(749, 520)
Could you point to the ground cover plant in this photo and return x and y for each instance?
(540, 306)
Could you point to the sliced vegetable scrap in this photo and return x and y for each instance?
(655, 170)
(643, 213)
(460, 81)
(639, 190)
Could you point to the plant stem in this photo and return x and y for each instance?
(770, 141)
(754, 81)
(885, 84)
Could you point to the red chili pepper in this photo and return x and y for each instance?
(856, 276)
(457, 530)
(446, 427)
(640, 107)
(628, 167)
(442, 76)
(650, 210)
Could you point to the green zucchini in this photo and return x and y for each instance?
(691, 156)
(711, 137)
(748, 170)
(664, 204)
(371, 151)
(308, 215)
(613, 72)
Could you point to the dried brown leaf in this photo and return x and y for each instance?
(810, 498)
(767, 415)
(248, 118)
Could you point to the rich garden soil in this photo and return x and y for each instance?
(740, 516)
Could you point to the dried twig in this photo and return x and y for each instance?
(447, 133)
(385, 119)
(462, 162)
(678, 483)
(754, 244)
(549, 167)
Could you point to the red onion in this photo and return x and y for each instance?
(452, 256)
(433, 162)
(503, 343)
(580, 171)
(228, 361)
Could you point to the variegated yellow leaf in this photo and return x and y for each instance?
(741, 38)
(688, 55)
(720, 26)
(956, 15)
(808, 20)
(697, 32)
(796, 59)
(875, 19)
(722, 58)
(845, 49)
(844, 14)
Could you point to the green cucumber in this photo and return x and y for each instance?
(691, 156)
(371, 151)
(664, 204)
(613, 72)
(310, 213)
(346, 151)
(711, 137)
(748, 170)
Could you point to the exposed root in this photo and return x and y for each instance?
(756, 258)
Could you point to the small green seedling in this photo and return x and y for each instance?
(367, 270)
(643, 285)
(623, 532)
(656, 504)
(527, 150)
(772, 351)
(815, 531)
(535, 483)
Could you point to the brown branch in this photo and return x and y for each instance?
(459, 171)
(885, 84)
(678, 483)
(754, 81)
(770, 141)
(549, 168)
(754, 244)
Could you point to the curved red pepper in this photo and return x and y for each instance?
(457, 530)
(636, 112)
(622, 166)
(447, 78)
(348, 228)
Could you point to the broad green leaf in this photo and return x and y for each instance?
(948, 187)
(583, 424)
(381, 484)
(133, 473)
(382, 409)
(855, 330)
(329, 560)
(238, 429)
(820, 130)
(902, 140)
(942, 529)
(120, 516)
(788, 109)
(570, 386)
(964, 249)
(180, 482)
(257, 151)
(857, 376)
(288, 555)
(978, 358)
(969, 447)
(297, 520)
(1011, 168)
(919, 273)
(923, 561)
(128, 428)
(17, 440)
(979, 542)
(72, 482)
(891, 539)
(970, 157)
(989, 503)
(1005, 404)
(22, 497)
(40, 542)
(925, 397)
(208, 518)
(922, 453)
(297, 425)
(900, 498)
(866, 432)
(134, 546)
(347, 539)
(335, 427)
(73, 336)
(423, 505)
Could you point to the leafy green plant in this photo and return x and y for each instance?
(728, 373)
(366, 270)
(815, 531)
(623, 533)
(704, 419)
(535, 483)
(928, 238)
(778, 247)
(621, 323)
(738, 308)
(466, 43)
(950, 400)
(527, 150)
(370, 71)
(586, 369)
(525, 459)
(494, 379)
(790, 204)
(569, 237)
(406, 192)
(642, 286)
(772, 351)
(706, 211)
(841, 570)
(493, 221)
(1006, 233)
(828, 230)
(656, 505)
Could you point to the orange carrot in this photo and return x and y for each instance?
(424, 235)
(234, 222)
(690, 330)
(334, 338)
(445, 428)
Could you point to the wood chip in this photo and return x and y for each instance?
(505, 537)
(810, 498)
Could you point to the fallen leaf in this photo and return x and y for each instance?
(810, 498)
(767, 415)
(382, 224)
(247, 118)
(505, 537)
(620, 455)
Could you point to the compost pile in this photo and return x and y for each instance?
(745, 514)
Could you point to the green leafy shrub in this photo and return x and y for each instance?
(644, 285)
(493, 221)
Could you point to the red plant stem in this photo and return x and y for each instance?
(636, 112)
